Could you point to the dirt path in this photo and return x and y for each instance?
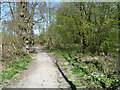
(42, 73)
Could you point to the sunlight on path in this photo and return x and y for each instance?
(41, 74)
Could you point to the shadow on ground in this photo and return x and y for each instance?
(73, 87)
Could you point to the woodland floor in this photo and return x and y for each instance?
(42, 73)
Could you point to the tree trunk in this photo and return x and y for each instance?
(23, 12)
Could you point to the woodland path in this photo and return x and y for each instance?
(42, 73)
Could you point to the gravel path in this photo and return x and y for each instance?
(42, 73)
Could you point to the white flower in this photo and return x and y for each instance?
(96, 75)
(102, 75)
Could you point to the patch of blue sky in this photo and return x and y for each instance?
(5, 12)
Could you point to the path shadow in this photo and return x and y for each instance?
(73, 87)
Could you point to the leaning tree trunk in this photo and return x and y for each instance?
(23, 24)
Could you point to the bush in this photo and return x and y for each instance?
(11, 47)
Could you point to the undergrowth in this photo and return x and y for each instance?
(13, 70)
(95, 73)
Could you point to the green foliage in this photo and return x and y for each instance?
(91, 25)
(7, 74)
(93, 74)
(102, 73)
(21, 64)
(14, 67)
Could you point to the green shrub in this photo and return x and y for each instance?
(8, 73)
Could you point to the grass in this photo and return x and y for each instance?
(95, 73)
(59, 81)
(13, 70)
